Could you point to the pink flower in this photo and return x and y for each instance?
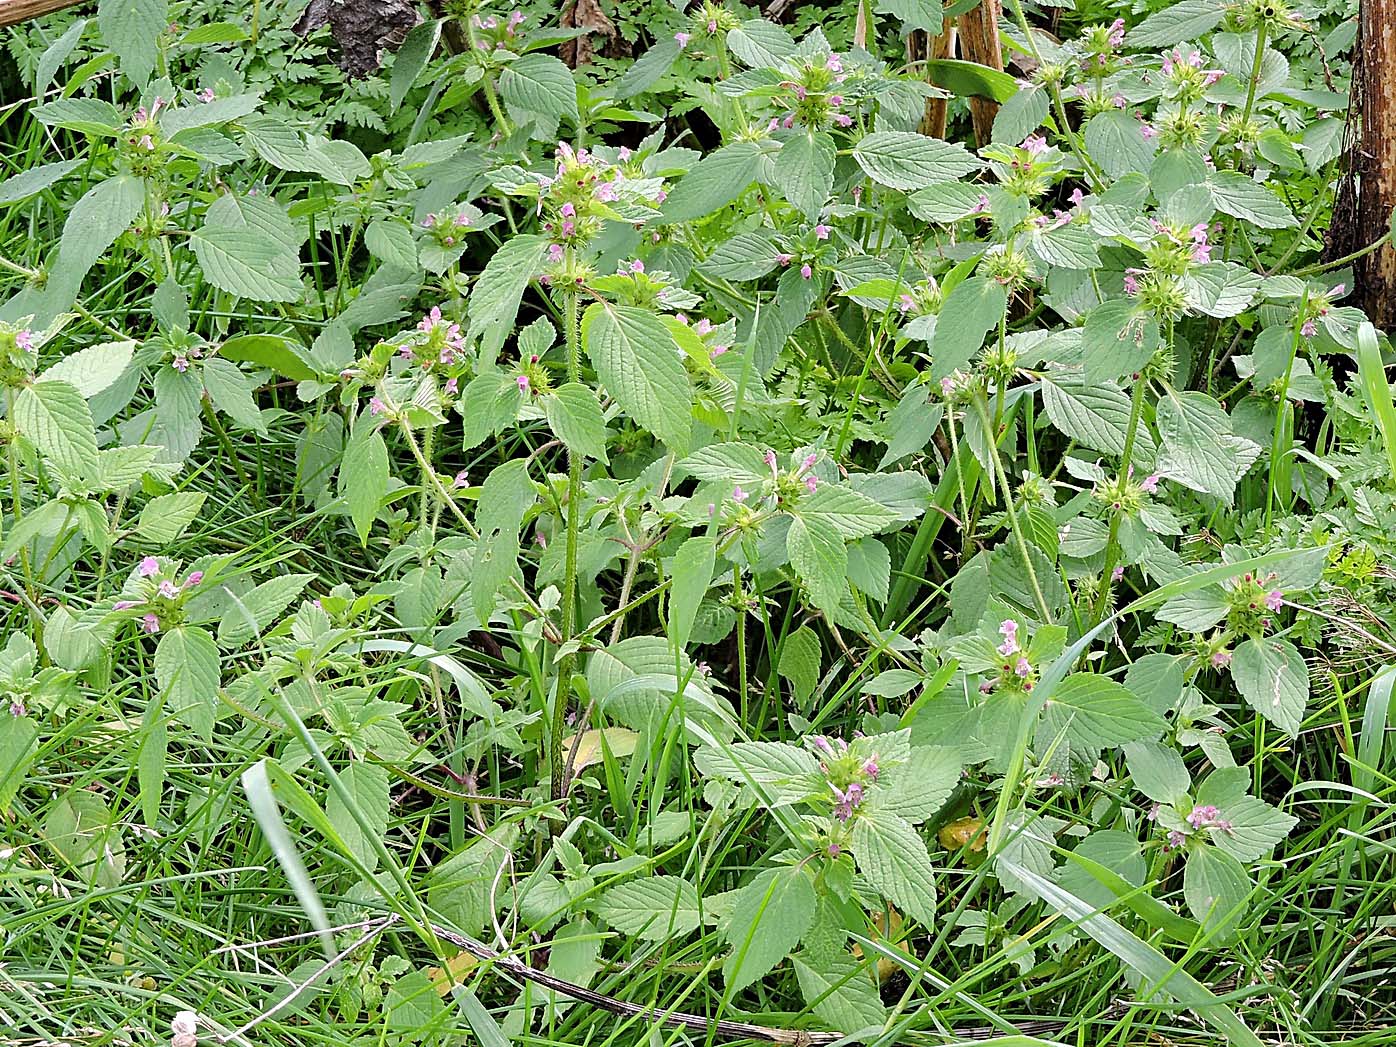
(150, 623)
(1150, 483)
(836, 100)
(845, 802)
(843, 119)
(821, 232)
(568, 211)
(555, 253)
(1131, 285)
(125, 605)
(515, 20)
(811, 483)
(25, 339)
(147, 143)
(452, 385)
(1149, 131)
(623, 154)
(784, 259)
(1035, 144)
(168, 590)
(703, 326)
(870, 767)
(206, 95)
(149, 566)
(637, 266)
(180, 364)
(712, 25)
(1221, 659)
(806, 271)
(1009, 631)
(1023, 667)
(1117, 33)
(808, 462)
(522, 382)
(606, 192)
(717, 351)
(376, 406)
(1309, 329)
(461, 479)
(834, 64)
(1117, 574)
(738, 495)
(195, 577)
(1274, 600)
(801, 93)
(770, 458)
(981, 206)
(905, 303)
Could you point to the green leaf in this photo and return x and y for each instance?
(575, 417)
(55, 55)
(840, 990)
(1184, 20)
(80, 828)
(892, 856)
(391, 242)
(1271, 675)
(1096, 415)
(769, 917)
(494, 301)
(411, 58)
(1216, 888)
(186, 667)
(231, 392)
(272, 351)
(919, 788)
(746, 256)
(19, 738)
(851, 514)
(368, 785)
(243, 262)
(716, 180)
(177, 119)
(970, 311)
(1095, 713)
(539, 83)
(804, 172)
(93, 369)
(1116, 141)
(55, 417)
(817, 553)
(1158, 771)
(505, 496)
(655, 909)
(165, 517)
(94, 117)
(733, 463)
(31, 180)
(647, 70)
(970, 79)
(785, 773)
(1242, 197)
(800, 656)
(130, 28)
(692, 573)
(363, 476)
(1119, 338)
(908, 161)
(637, 359)
(1022, 114)
(926, 15)
(253, 611)
(1198, 448)
(104, 213)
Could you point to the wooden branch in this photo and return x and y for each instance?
(12, 12)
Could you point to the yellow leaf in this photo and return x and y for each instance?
(453, 973)
(620, 741)
(963, 831)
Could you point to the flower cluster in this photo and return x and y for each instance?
(156, 595)
(707, 22)
(18, 356)
(448, 230)
(1318, 307)
(1252, 601)
(1186, 76)
(811, 97)
(848, 771)
(494, 34)
(1100, 45)
(1016, 671)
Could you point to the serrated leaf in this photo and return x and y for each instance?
(1115, 140)
(29, 181)
(1216, 887)
(1184, 20)
(908, 161)
(130, 28)
(716, 180)
(504, 498)
(243, 262)
(186, 667)
(769, 917)
(411, 58)
(539, 83)
(800, 657)
(1242, 197)
(637, 359)
(93, 369)
(817, 553)
(1271, 675)
(919, 788)
(104, 213)
(55, 417)
(494, 301)
(804, 172)
(575, 417)
(840, 990)
(970, 311)
(1095, 713)
(231, 392)
(164, 518)
(692, 573)
(892, 857)
(363, 477)
(654, 909)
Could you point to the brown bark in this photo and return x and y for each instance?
(12, 12)
(1375, 162)
(979, 42)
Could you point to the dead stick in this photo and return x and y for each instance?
(12, 12)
